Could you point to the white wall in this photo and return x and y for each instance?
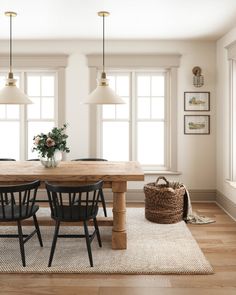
(196, 153)
(223, 117)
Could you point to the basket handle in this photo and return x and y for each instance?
(163, 178)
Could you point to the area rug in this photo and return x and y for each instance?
(152, 249)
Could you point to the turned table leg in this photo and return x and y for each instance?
(119, 236)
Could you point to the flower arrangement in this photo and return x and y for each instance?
(48, 144)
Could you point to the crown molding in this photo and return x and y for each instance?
(35, 61)
(135, 60)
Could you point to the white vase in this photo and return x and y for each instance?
(52, 161)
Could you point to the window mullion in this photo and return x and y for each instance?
(23, 122)
(167, 127)
(133, 116)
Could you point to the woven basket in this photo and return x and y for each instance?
(164, 203)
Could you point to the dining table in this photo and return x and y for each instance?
(115, 175)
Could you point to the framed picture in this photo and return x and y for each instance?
(196, 124)
(197, 101)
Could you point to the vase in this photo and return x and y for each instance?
(51, 162)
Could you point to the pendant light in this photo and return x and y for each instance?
(103, 94)
(10, 94)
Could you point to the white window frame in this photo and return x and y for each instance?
(232, 121)
(143, 63)
(43, 64)
(231, 51)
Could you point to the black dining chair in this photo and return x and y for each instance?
(64, 208)
(38, 200)
(17, 203)
(102, 198)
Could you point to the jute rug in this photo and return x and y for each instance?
(152, 249)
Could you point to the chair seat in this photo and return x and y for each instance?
(75, 213)
(17, 216)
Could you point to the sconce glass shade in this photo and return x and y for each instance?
(10, 94)
(198, 79)
(103, 94)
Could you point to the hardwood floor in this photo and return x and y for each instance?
(217, 241)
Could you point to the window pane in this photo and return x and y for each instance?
(112, 82)
(143, 107)
(2, 81)
(143, 87)
(17, 77)
(34, 108)
(33, 85)
(108, 111)
(116, 141)
(10, 140)
(35, 128)
(48, 107)
(150, 146)
(13, 111)
(122, 110)
(122, 85)
(158, 108)
(48, 86)
(2, 111)
(158, 85)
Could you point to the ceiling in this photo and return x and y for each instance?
(129, 19)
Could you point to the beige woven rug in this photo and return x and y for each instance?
(152, 249)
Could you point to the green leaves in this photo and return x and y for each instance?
(47, 144)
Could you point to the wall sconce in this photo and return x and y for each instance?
(198, 79)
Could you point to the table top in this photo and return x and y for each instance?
(71, 171)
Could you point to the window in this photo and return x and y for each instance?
(42, 77)
(19, 124)
(137, 130)
(41, 114)
(145, 128)
(232, 123)
(231, 136)
(9, 126)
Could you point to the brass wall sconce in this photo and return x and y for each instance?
(198, 79)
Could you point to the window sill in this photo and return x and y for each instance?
(231, 183)
(159, 172)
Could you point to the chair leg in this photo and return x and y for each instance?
(97, 232)
(38, 230)
(103, 203)
(88, 244)
(54, 241)
(21, 241)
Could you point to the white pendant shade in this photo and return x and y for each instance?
(103, 94)
(10, 94)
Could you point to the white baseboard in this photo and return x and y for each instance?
(226, 204)
(134, 195)
(137, 195)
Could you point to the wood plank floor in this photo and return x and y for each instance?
(217, 241)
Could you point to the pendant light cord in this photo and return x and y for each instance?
(103, 44)
(10, 43)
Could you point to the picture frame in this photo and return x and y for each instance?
(197, 101)
(197, 124)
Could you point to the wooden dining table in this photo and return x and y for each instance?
(114, 174)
